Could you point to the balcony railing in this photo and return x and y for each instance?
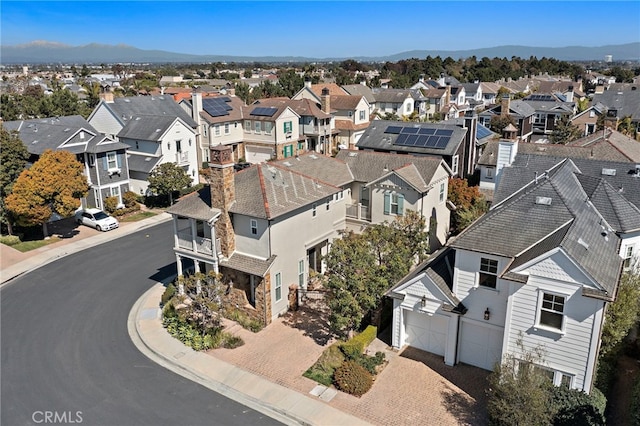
(358, 211)
(182, 158)
(198, 245)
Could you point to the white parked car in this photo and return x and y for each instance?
(97, 219)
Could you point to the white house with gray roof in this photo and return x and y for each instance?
(156, 129)
(104, 159)
(536, 271)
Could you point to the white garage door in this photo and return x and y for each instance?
(257, 154)
(425, 332)
(480, 346)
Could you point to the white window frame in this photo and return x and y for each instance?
(488, 268)
(301, 273)
(278, 287)
(441, 195)
(227, 128)
(540, 309)
(362, 115)
(92, 160)
(393, 203)
(247, 126)
(454, 164)
(489, 173)
(257, 126)
(114, 161)
(254, 226)
(216, 129)
(628, 257)
(268, 127)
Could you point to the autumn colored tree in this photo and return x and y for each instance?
(13, 160)
(55, 183)
(168, 178)
(470, 203)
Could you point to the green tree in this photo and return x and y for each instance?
(499, 122)
(168, 178)
(565, 131)
(13, 160)
(622, 314)
(470, 204)
(626, 127)
(55, 183)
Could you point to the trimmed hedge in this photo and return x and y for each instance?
(352, 378)
(574, 407)
(169, 292)
(356, 346)
(9, 240)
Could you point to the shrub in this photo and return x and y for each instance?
(111, 204)
(323, 369)
(190, 189)
(9, 240)
(356, 346)
(230, 341)
(169, 292)
(574, 407)
(244, 320)
(634, 408)
(130, 199)
(370, 363)
(352, 378)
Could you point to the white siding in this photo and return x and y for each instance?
(104, 121)
(426, 332)
(568, 352)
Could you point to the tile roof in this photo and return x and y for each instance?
(369, 166)
(196, 205)
(269, 190)
(334, 89)
(360, 90)
(248, 264)
(344, 102)
(350, 125)
(614, 141)
(513, 227)
(327, 169)
(376, 138)
(303, 107)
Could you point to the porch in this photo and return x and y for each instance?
(359, 211)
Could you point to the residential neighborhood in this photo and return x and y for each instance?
(333, 230)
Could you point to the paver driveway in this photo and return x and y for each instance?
(414, 388)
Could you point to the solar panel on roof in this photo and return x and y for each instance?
(393, 130)
(410, 130)
(412, 139)
(216, 107)
(444, 132)
(402, 138)
(482, 132)
(427, 131)
(264, 111)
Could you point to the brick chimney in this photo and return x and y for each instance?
(107, 97)
(506, 105)
(223, 194)
(325, 101)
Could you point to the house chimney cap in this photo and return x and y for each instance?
(325, 91)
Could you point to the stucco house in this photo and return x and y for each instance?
(157, 131)
(536, 271)
(264, 228)
(104, 159)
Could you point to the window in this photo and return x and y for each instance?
(288, 151)
(407, 108)
(328, 203)
(267, 127)
(278, 286)
(313, 210)
(115, 191)
(628, 257)
(551, 313)
(92, 160)
(137, 146)
(350, 114)
(112, 161)
(226, 128)
(454, 164)
(288, 126)
(441, 196)
(258, 126)
(254, 227)
(362, 115)
(301, 273)
(169, 146)
(393, 203)
(216, 130)
(488, 273)
(489, 172)
(300, 146)
(179, 146)
(566, 381)
(247, 126)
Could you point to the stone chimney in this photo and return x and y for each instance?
(223, 194)
(447, 94)
(506, 105)
(325, 101)
(107, 97)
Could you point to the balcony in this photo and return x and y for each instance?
(199, 245)
(182, 158)
(358, 211)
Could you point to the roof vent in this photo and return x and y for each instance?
(608, 172)
(313, 156)
(544, 201)
(286, 163)
(583, 243)
(352, 154)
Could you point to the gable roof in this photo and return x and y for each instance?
(269, 190)
(376, 138)
(345, 102)
(627, 147)
(393, 95)
(147, 127)
(321, 167)
(334, 89)
(302, 107)
(70, 133)
(127, 108)
(196, 205)
(624, 99)
(517, 224)
(360, 90)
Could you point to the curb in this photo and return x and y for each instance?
(143, 345)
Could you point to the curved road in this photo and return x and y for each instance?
(66, 349)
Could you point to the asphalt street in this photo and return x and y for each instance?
(66, 352)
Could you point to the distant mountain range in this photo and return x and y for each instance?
(39, 52)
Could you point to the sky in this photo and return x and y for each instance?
(320, 29)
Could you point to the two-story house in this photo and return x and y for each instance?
(104, 159)
(264, 228)
(536, 271)
(549, 110)
(156, 129)
(521, 113)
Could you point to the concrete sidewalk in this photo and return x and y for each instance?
(272, 399)
(16, 263)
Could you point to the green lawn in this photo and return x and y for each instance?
(136, 216)
(25, 246)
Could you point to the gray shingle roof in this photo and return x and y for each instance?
(142, 163)
(146, 127)
(269, 190)
(196, 205)
(520, 223)
(326, 169)
(622, 99)
(247, 264)
(375, 138)
(517, 107)
(130, 107)
(360, 90)
(368, 166)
